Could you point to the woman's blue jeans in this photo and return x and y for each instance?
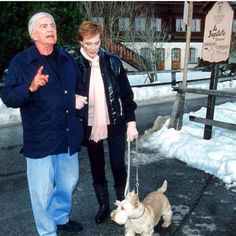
(51, 182)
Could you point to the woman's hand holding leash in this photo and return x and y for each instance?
(132, 132)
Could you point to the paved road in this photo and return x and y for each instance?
(201, 204)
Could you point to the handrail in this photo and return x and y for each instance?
(124, 52)
(179, 82)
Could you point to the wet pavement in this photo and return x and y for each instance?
(202, 206)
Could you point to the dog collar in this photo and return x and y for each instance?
(140, 215)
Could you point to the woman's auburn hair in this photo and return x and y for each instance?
(88, 29)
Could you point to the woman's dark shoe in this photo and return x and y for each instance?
(103, 201)
(102, 214)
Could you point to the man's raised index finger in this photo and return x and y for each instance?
(40, 70)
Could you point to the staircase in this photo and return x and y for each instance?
(125, 53)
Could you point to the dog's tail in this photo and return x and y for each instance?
(163, 188)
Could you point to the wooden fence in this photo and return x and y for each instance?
(208, 122)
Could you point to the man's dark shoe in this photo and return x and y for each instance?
(70, 226)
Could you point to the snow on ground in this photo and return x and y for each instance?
(215, 156)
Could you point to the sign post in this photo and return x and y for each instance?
(216, 48)
(188, 13)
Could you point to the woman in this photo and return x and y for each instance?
(109, 113)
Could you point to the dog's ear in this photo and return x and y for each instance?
(135, 200)
(132, 193)
(117, 202)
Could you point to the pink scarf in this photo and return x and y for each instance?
(98, 113)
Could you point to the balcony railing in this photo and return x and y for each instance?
(124, 53)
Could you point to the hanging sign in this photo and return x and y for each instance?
(217, 33)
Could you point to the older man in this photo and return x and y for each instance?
(41, 81)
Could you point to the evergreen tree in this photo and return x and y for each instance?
(14, 17)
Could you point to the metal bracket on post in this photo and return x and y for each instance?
(175, 111)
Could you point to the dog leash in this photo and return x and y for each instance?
(127, 186)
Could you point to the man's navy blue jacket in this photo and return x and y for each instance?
(50, 124)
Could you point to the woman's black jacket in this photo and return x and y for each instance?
(119, 95)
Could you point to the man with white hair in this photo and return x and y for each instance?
(41, 81)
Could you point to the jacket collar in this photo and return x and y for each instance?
(101, 52)
(84, 62)
(33, 53)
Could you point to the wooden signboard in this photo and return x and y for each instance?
(217, 33)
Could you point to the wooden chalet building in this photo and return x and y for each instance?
(148, 33)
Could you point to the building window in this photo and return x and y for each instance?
(179, 26)
(234, 26)
(176, 54)
(196, 25)
(160, 52)
(160, 58)
(140, 23)
(192, 55)
(124, 24)
(99, 20)
(146, 53)
(156, 24)
(175, 58)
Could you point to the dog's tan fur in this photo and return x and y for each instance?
(141, 217)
